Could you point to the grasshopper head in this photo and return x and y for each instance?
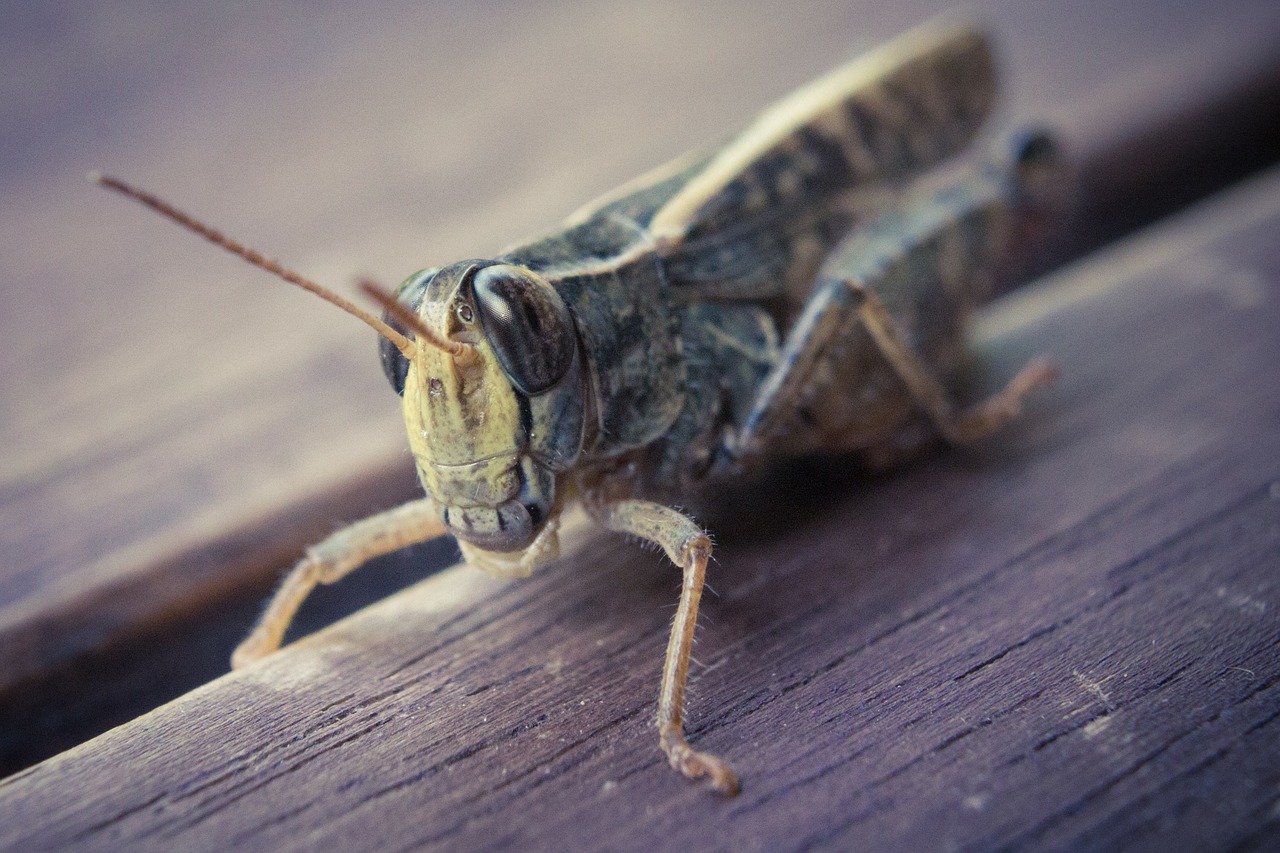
(493, 386)
(495, 408)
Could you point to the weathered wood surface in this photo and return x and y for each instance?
(174, 427)
(1066, 638)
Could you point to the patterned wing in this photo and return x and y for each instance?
(884, 117)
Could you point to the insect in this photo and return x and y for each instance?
(800, 290)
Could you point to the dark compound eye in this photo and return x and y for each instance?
(528, 325)
(394, 364)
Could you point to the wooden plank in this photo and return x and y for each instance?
(157, 475)
(1066, 638)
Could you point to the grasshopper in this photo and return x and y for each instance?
(801, 290)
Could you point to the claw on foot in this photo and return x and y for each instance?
(695, 765)
(1000, 408)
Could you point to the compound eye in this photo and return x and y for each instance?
(528, 325)
(394, 364)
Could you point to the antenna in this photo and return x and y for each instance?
(406, 346)
(411, 320)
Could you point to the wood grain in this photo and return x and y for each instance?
(174, 429)
(185, 401)
(1065, 638)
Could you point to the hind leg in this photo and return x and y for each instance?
(887, 317)
(956, 426)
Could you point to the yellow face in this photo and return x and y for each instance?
(489, 432)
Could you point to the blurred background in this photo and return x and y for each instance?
(158, 396)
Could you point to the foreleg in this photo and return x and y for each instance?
(689, 547)
(332, 559)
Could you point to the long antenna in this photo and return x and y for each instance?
(411, 320)
(405, 345)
